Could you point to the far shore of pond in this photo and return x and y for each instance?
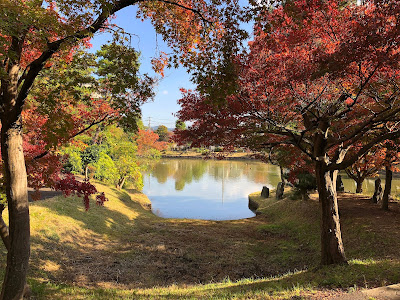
(212, 155)
(237, 156)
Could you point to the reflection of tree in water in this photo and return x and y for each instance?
(263, 173)
(183, 175)
(184, 171)
(199, 169)
(160, 171)
(255, 171)
(220, 170)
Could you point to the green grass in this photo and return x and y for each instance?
(123, 251)
(299, 283)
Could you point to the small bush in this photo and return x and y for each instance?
(304, 183)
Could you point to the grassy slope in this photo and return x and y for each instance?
(122, 250)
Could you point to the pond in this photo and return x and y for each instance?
(206, 189)
(217, 189)
(369, 184)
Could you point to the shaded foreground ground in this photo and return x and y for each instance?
(123, 251)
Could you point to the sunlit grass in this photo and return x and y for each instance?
(305, 284)
(73, 248)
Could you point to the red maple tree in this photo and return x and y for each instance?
(319, 76)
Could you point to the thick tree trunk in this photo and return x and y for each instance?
(388, 187)
(18, 208)
(359, 186)
(332, 250)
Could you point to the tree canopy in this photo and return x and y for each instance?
(319, 76)
(38, 35)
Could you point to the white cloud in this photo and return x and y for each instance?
(165, 92)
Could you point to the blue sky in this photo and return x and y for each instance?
(149, 44)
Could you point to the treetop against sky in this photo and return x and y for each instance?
(145, 40)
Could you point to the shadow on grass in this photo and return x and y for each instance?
(132, 248)
(304, 283)
(146, 251)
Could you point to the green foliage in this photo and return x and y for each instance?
(90, 155)
(162, 132)
(72, 79)
(105, 168)
(111, 155)
(118, 67)
(304, 183)
(73, 162)
(111, 75)
(180, 125)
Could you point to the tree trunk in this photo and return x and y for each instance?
(332, 250)
(18, 209)
(388, 187)
(121, 182)
(359, 185)
(4, 229)
(282, 175)
(86, 172)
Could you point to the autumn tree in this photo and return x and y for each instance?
(366, 166)
(319, 76)
(33, 34)
(147, 142)
(162, 132)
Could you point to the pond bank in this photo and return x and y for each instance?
(123, 251)
(214, 155)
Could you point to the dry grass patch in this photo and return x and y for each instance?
(123, 251)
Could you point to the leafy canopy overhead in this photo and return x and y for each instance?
(301, 80)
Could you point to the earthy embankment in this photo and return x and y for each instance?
(123, 251)
(213, 155)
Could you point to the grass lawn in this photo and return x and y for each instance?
(123, 251)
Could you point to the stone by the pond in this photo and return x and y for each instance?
(378, 193)
(279, 190)
(339, 184)
(265, 192)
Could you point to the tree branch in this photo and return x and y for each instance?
(195, 11)
(44, 153)
(345, 164)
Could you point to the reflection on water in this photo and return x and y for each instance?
(206, 189)
(217, 190)
(369, 185)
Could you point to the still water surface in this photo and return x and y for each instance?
(369, 185)
(206, 189)
(217, 190)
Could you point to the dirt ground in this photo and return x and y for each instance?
(162, 252)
